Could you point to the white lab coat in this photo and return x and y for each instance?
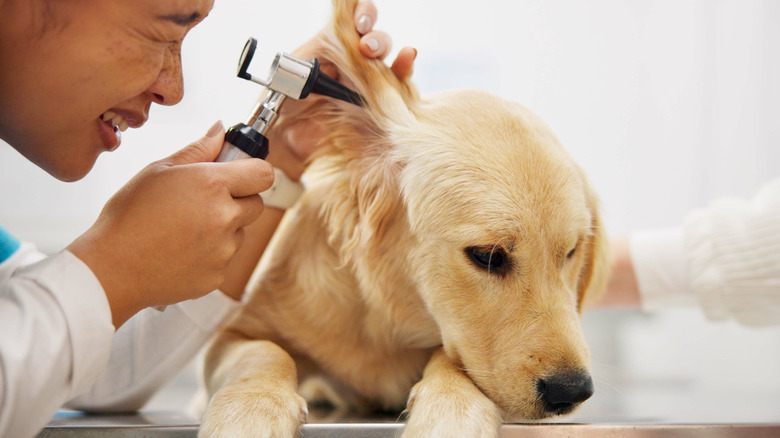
(57, 342)
(725, 259)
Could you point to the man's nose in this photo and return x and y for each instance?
(168, 87)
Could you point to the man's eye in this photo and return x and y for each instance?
(491, 259)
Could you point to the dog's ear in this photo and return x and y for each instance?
(386, 98)
(593, 276)
(358, 137)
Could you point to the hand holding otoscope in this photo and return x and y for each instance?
(289, 77)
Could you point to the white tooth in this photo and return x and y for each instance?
(116, 120)
(108, 115)
(123, 125)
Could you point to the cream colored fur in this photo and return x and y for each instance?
(366, 295)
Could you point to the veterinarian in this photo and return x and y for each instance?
(72, 75)
(724, 259)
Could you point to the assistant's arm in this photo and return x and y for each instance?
(724, 259)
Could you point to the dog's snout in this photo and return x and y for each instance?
(563, 392)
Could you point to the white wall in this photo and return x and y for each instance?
(666, 104)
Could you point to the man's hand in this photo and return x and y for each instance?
(169, 234)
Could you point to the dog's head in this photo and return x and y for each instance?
(506, 241)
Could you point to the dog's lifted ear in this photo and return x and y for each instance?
(386, 98)
(369, 77)
(594, 274)
(358, 138)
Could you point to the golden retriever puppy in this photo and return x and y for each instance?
(438, 260)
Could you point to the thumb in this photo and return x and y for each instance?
(206, 149)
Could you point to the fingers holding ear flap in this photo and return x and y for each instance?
(377, 44)
(373, 44)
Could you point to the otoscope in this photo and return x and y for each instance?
(289, 77)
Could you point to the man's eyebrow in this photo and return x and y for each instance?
(182, 19)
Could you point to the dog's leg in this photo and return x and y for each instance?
(254, 385)
(446, 403)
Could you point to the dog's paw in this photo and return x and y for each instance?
(256, 412)
(450, 412)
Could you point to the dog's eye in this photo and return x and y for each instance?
(571, 253)
(491, 259)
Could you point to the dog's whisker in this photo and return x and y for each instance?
(514, 405)
(608, 385)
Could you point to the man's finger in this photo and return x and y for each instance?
(204, 150)
(404, 63)
(365, 16)
(250, 209)
(247, 177)
(375, 44)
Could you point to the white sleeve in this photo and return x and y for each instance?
(661, 269)
(733, 252)
(55, 336)
(150, 349)
(726, 259)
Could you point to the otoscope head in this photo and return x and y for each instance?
(289, 77)
(294, 77)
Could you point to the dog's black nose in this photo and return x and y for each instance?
(562, 392)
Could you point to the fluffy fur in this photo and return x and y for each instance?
(367, 295)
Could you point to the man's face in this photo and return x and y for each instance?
(65, 64)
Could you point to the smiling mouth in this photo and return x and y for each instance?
(111, 136)
(116, 121)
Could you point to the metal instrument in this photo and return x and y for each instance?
(289, 77)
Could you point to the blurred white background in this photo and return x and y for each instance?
(666, 104)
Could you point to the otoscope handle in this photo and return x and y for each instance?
(242, 141)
